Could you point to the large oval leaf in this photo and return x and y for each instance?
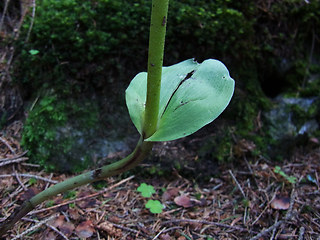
(136, 95)
(192, 95)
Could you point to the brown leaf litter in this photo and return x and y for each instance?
(248, 200)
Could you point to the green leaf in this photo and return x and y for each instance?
(146, 190)
(33, 52)
(292, 179)
(192, 95)
(136, 95)
(154, 206)
(277, 169)
(32, 181)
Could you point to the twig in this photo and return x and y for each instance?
(34, 103)
(16, 33)
(57, 231)
(164, 230)
(287, 217)
(266, 231)
(204, 222)
(82, 198)
(317, 178)
(65, 216)
(251, 172)
(159, 233)
(30, 165)
(130, 230)
(170, 229)
(19, 181)
(7, 144)
(14, 157)
(50, 226)
(274, 230)
(240, 188)
(217, 186)
(29, 176)
(260, 215)
(34, 227)
(48, 183)
(301, 233)
(4, 14)
(13, 161)
(16, 192)
(32, 19)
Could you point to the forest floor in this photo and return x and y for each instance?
(250, 199)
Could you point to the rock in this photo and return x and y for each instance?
(291, 122)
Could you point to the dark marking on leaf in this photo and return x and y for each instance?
(189, 75)
(181, 104)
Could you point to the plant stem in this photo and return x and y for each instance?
(158, 25)
(140, 152)
(155, 61)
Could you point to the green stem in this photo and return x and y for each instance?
(158, 25)
(155, 61)
(140, 152)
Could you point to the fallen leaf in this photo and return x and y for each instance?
(235, 221)
(165, 237)
(314, 141)
(62, 208)
(280, 203)
(181, 238)
(28, 194)
(47, 234)
(88, 203)
(114, 219)
(110, 229)
(58, 222)
(183, 201)
(7, 182)
(84, 193)
(73, 213)
(67, 228)
(243, 146)
(85, 229)
(170, 194)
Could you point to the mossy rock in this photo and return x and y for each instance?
(290, 124)
(55, 130)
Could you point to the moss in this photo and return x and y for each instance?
(245, 116)
(99, 185)
(53, 130)
(78, 48)
(83, 47)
